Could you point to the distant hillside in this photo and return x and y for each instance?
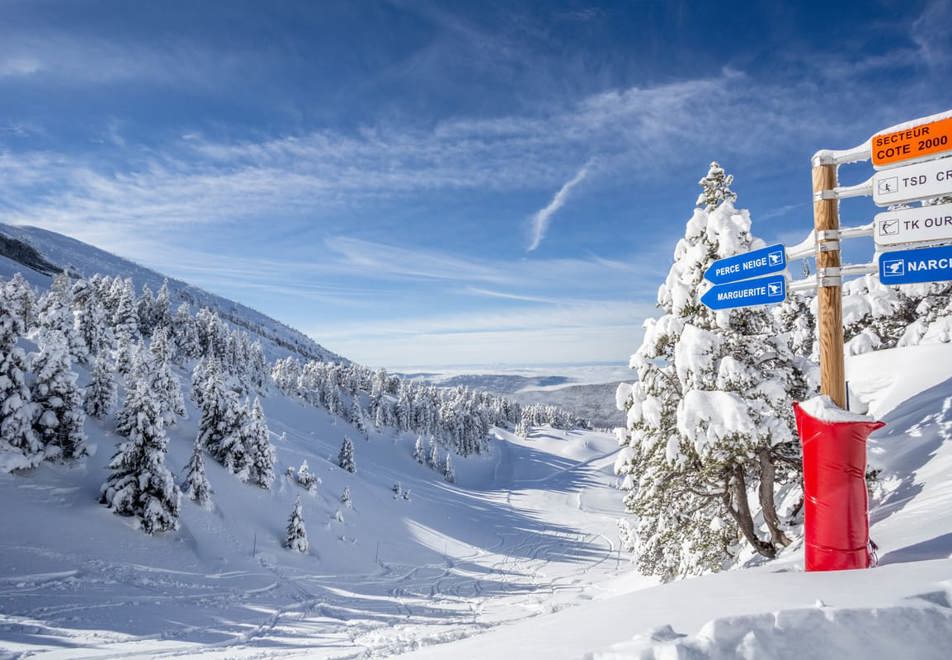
(38, 253)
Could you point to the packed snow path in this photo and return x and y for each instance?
(531, 530)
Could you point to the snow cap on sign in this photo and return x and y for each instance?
(822, 407)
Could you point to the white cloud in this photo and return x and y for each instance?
(542, 217)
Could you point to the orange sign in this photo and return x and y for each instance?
(916, 142)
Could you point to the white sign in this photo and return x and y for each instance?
(911, 182)
(923, 224)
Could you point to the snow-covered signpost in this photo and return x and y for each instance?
(907, 157)
(910, 167)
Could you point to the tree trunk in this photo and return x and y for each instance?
(767, 506)
(736, 490)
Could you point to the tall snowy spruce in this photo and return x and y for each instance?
(19, 447)
(296, 537)
(100, 397)
(165, 383)
(710, 430)
(195, 485)
(222, 421)
(258, 447)
(139, 483)
(58, 405)
(345, 457)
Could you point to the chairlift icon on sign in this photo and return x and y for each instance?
(775, 258)
(894, 267)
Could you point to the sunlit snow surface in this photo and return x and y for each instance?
(527, 530)
(519, 559)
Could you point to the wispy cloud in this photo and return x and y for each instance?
(542, 217)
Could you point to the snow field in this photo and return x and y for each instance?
(527, 530)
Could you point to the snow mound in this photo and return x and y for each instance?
(871, 633)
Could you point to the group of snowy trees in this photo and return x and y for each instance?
(41, 407)
(538, 414)
(130, 344)
(431, 458)
(458, 418)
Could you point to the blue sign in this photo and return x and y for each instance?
(762, 291)
(931, 264)
(760, 262)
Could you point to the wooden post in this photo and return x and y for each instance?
(830, 297)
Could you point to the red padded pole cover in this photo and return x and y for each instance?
(836, 515)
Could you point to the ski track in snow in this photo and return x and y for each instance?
(398, 607)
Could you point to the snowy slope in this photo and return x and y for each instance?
(526, 530)
(901, 609)
(75, 256)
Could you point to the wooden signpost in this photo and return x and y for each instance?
(909, 167)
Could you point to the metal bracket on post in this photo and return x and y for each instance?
(829, 276)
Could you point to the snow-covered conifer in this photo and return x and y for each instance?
(19, 447)
(345, 498)
(296, 537)
(195, 485)
(433, 457)
(357, 417)
(162, 309)
(100, 395)
(165, 383)
(58, 404)
(139, 483)
(345, 457)
(419, 452)
(221, 423)
(260, 452)
(145, 310)
(448, 472)
(715, 188)
(710, 418)
(22, 299)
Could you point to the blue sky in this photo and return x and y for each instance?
(442, 183)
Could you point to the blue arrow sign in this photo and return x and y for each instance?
(762, 291)
(931, 264)
(756, 263)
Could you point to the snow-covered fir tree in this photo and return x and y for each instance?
(162, 309)
(19, 447)
(21, 298)
(58, 415)
(715, 188)
(195, 484)
(357, 417)
(345, 457)
(145, 310)
(346, 499)
(100, 396)
(165, 383)
(139, 483)
(296, 536)
(433, 456)
(710, 423)
(222, 420)
(522, 429)
(419, 452)
(256, 439)
(55, 316)
(90, 322)
(449, 474)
